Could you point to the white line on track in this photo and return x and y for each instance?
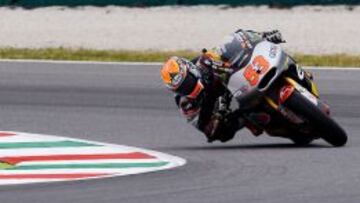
(128, 63)
(81, 62)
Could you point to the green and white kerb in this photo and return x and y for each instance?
(32, 158)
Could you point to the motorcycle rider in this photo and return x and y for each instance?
(199, 85)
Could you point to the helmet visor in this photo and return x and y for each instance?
(188, 85)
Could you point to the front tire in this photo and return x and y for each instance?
(301, 141)
(327, 128)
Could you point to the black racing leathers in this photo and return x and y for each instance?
(200, 111)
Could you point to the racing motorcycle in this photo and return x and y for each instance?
(273, 83)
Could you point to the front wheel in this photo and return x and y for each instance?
(327, 128)
(301, 141)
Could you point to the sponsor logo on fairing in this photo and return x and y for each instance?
(273, 51)
(300, 72)
(244, 88)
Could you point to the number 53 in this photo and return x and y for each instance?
(253, 71)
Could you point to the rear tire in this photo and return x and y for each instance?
(327, 128)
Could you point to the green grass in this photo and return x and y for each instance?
(341, 60)
(90, 55)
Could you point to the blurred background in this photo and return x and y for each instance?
(64, 28)
(275, 3)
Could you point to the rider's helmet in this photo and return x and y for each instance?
(182, 77)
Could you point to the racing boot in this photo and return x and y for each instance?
(255, 121)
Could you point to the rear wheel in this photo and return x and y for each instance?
(327, 128)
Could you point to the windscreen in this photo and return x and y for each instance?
(236, 48)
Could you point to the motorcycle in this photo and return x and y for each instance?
(272, 83)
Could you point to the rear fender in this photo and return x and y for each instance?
(303, 91)
(292, 85)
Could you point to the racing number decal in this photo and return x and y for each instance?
(258, 67)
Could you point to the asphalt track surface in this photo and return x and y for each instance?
(128, 105)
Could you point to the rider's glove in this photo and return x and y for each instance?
(189, 107)
(206, 60)
(273, 36)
